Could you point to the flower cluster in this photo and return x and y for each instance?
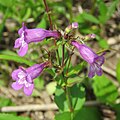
(24, 78)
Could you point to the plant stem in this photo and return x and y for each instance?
(68, 94)
(58, 57)
(69, 61)
(49, 17)
(68, 97)
(63, 54)
(48, 13)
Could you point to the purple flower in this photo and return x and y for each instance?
(24, 77)
(32, 35)
(91, 57)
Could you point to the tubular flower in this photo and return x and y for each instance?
(32, 35)
(91, 57)
(24, 77)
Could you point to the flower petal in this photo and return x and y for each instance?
(91, 71)
(35, 70)
(98, 70)
(28, 90)
(29, 79)
(23, 50)
(15, 74)
(99, 60)
(22, 74)
(16, 86)
(21, 30)
(17, 43)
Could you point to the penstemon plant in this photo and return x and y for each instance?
(69, 94)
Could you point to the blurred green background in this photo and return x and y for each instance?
(101, 17)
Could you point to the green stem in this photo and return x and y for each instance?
(69, 60)
(63, 54)
(104, 50)
(68, 97)
(68, 94)
(58, 57)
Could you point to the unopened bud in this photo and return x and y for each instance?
(71, 27)
(90, 36)
(74, 25)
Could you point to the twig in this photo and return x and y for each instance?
(44, 107)
(36, 107)
(48, 12)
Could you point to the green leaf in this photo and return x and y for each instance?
(51, 87)
(73, 80)
(5, 102)
(87, 113)
(60, 9)
(39, 82)
(42, 24)
(104, 89)
(51, 71)
(79, 19)
(7, 3)
(118, 71)
(106, 11)
(116, 108)
(112, 8)
(76, 69)
(102, 7)
(77, 96)
(60, 99)
(4, 116)
(60, 49)
(90, 18)
(8, 52)
(103, 43)
(27, 14)
(103, 11)
(63, 116)
(16, 59)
